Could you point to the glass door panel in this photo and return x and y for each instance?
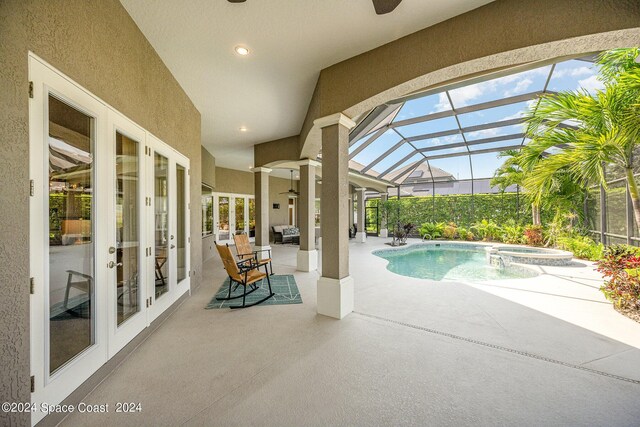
(252, 217)
(161, 228)
(181, 232)
(239, 212)
(72, 305)
(223, 218)
(127, 229)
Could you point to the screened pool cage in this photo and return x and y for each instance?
(445, 144)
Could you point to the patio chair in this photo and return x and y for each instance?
(244, 251)
(85, 285)
(244, 273)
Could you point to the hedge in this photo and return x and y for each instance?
(463, 209)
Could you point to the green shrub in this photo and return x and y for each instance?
(513, 233)
(465, 234)
(450, 231)
(432, 230)
(487, 230)
(582, 247)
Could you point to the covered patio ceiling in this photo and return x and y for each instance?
(458, 132)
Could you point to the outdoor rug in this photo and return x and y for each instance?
(283, 285)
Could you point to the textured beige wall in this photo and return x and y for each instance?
(500, 26)
(280, 149)
(98, 45)
(233, 181)
(208, 168)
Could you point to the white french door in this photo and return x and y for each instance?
(109, 232)
(68, 169)
(168, 184)
(128, 209)
(232, 214)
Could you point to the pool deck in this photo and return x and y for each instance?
(570, 293)
(528, 352)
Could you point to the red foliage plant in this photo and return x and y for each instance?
(533, 234)
(620, 265)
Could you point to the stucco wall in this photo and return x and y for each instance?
(208, 168)
(233, 181)
(99, 46)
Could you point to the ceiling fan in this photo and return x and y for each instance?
(381, 6)
(291, 192)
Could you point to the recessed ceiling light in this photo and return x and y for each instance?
(243, 129)
(241, 50)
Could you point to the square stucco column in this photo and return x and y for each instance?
(261, 177)
(335, 286)
(384, 232)
(361, 235)
(307, 254)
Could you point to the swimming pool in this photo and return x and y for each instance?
(448, 262)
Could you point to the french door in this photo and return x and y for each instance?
(127, 212)
(109, 232)
(233, 214)
(168, 184)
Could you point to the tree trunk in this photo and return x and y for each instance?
(633, 192)
(535, 212)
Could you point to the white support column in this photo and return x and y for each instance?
(335, 286)
(261, 176)
(361, 235)
(307, 258)
(384, 232)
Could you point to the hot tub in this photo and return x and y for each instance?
(505, 255)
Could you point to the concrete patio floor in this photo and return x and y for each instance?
(541, 351)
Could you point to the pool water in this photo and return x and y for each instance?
(447, 263)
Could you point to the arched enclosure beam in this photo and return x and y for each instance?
(484, 40)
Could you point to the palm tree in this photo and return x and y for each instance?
(579, 134)
(559, 192)
(510, 173)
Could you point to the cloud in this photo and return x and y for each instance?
(591, 84)
(520, 87)
(442, 105)
(462, 96)
(574, 72)
(484, 133)
(508, 86)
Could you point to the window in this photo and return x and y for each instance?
(207, 210)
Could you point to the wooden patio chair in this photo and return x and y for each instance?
(244, 273)
(244, 251)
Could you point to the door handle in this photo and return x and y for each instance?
(173, 246)
(112, 264)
